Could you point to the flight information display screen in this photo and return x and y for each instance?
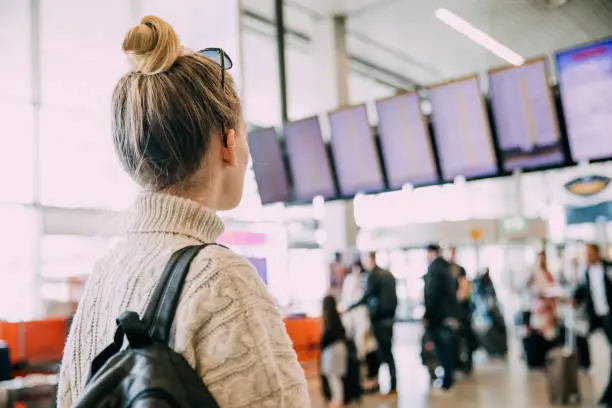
(268, 165)
(354, 149)
(405, 141)
(461, 130)
(585, 82)
(525, 117)
(261, 266)
(311, 170)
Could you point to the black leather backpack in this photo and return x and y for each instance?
(148, 374)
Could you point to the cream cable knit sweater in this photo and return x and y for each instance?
(226, 326)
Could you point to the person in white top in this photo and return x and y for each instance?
(544, 290)
(357, 322)
(596, 292)
(179, 132)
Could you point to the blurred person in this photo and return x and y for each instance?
(333, 351)
(543, 323)
(337, 273)
(179, 132)
(357, 322)
(440, 318)
(595, 291)
(467, 343)
(380, 297)
(543, 287)
(488, 323)
(458, 273)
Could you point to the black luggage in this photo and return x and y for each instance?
(428, 356)
(5, 362)
(536, 347)
(584, 352)
(494, 340)
(464, 351)
(353, 391)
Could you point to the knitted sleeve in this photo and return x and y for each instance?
(64, 395)
(232, 333)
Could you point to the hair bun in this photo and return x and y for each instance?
(152, 46)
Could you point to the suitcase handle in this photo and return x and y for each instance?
(570, 336)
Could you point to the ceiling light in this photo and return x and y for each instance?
(478, 36)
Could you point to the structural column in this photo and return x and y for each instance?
(38, 307)
(330, 51)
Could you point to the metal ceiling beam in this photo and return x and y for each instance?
(262, 25)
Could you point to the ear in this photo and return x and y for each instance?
(229, 151)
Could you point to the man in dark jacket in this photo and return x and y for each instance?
(441, 311)
(596, 291)
(380, 297)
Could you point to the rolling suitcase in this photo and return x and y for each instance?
(353, 390)
(562, 371)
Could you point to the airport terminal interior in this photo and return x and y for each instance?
(449, 158)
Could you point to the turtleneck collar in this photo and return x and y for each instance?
(164, 213)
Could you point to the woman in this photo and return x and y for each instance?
(542, 315)
(334, 354)
(545, 292)
(179, 132)
(357, 322)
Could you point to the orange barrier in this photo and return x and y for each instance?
(37, 341)
(305, 333)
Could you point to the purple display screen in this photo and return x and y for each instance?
(405, 143)
(585, 81)
(461, 130)
(308, 161)
(525, 117)
(354, 149)
(261, 266)
(268, 165)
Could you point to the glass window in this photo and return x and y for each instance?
(18, 240)
(489, 198)
(534, 194)
(67, 256)
(66, 262)
(302, 82)
(308, 280)
(78, 167)
(416, 267)
(15, 48)
(261, 89)
(17, 166)
(81, 56)
(367, 90)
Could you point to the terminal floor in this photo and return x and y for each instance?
(495, 384)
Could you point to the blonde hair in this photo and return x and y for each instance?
(165, 111)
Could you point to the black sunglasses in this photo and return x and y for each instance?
(220, 57)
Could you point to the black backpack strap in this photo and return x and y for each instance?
(130, 326)
(159, 315)
(157, 320)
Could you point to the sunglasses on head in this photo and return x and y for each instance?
(220, 57)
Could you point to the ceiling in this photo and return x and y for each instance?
(404, 37)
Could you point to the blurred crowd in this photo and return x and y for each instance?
(461, 316)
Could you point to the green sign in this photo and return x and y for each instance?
(514, 225)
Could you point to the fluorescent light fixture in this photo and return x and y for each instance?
(478, 36)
